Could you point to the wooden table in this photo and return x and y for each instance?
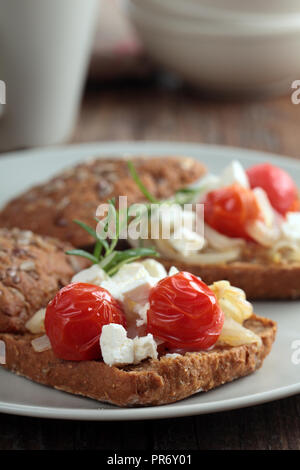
(146, 111)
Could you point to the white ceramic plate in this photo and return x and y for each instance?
(279, 376)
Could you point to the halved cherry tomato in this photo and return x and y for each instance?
(229, 210)
(75, 317)
(184, 313)
(277, 183)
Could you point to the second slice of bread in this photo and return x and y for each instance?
(259, 281)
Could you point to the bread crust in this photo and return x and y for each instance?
(32, 270)
(50, 208)
(259, 281)
(153, 382)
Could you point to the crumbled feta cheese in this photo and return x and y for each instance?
(144, 347)
(93, 275)
(141, 311)
(130, 286)
(234, 173)
(184, 241)
(138, 291)
(130, 272)
(154, 268)
(113, 288)
(291, 226)
(173, 270)
(116, 348)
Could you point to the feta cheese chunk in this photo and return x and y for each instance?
(173, 270)
(141, 311)
(291, 227)
(185, 241)
(130, 272)
(144, 347)
(154, 268)
(93, 275)
(234, 173)
(139, 290)
(116, 348)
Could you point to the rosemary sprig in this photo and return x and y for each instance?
(181, 197)
(139, 183)
(83, 254)
(105, 254)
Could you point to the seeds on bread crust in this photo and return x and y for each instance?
(49, 209)
(32, 270)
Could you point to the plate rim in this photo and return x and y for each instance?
(228, 149)
(149, 412)
(178, 409)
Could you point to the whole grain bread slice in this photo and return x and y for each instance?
(259, 281)
(49, 208)
(32, 269)
(153, 382)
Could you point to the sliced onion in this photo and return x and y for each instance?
(262, 234)
(292, 249)
(235, 334)
(232, 301)
(219, 241)
(41, 344)
(265, 206)
(198, 258)
(36, 324)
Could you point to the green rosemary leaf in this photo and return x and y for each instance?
(102, 240)
(98, 249)
(108, 260)
(84, 254)
(88, 229)
(115, 215)
(139, 183)
(118, 258)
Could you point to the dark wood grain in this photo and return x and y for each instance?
(273, 426)
(160, 113)
(150, 112)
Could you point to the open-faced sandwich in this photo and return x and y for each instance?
(130, 333)
(251, 233)
(49, 208)
(243, 226)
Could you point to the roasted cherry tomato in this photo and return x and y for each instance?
(229, 210)
(75, 317)
(277, 183)
(184, 313)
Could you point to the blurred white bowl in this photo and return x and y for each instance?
(226, 7)
(221, 56)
